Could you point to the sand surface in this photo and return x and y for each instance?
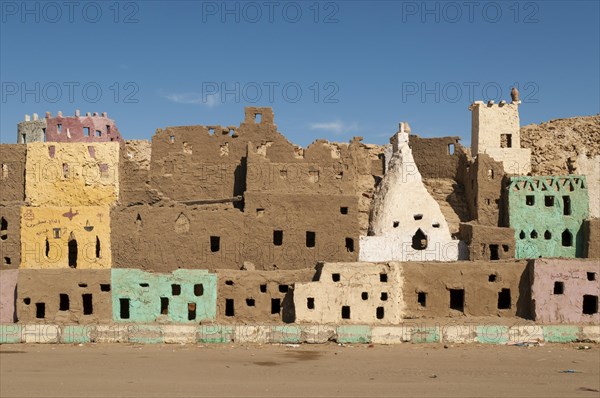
(309, 370)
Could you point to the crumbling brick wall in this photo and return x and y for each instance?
(258, 296)
(12, 172)
(64, 296)
(10, 236)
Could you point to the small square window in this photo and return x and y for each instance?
(559, 288)
(529, 200)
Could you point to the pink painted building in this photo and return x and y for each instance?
(565, 291)
(88, 128)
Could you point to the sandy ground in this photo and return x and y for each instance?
(309, 370)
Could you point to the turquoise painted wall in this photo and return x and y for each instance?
(145, 290)
(540, 213)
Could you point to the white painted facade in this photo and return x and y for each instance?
(406, 221)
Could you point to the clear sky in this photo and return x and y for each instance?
(330, 70)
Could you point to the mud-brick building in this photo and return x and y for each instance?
(547, 215)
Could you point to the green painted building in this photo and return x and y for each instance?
(185, 296)
(547, 214)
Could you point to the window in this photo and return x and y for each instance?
(450, 149)
(310, 239)
(419, 240)
(566, 205)
(533, 234)
(124, 308)
(51, 151)
(86, 131)
(40, 310)
(275, 306)
(418, 217)
(494, 252)
(3, 229)
(396, 224)
(344, 210)
(175, 290)
(364, 296)
(229, 307)
(59, 128)
(567, 238)
(98, 133)
(63, 302)
(164, 306)
(549, 201)
(277, 238)
(283, 288)
(422, 299)
(490, 173)
(171, 139)
(383, 278)
(504, 302)
(191, 311)
(379, 313)
(349, 245)
(105, 287)
(591, 276)
(310, 303)
(72, 247)
(335, 277)
(505, 140)
(457, 299)
(263, 288)
(492, 278)
(345, 312)
(258, 117)
(590, 304)
(215, 244)
(198, 289)
(559, 287)
(88, 307)
(384, 296)
(547, 235)
(250, 302)
(529, 200)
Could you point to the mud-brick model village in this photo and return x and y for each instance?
(237, 225)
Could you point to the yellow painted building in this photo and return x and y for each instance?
(65, 237)
(72, 174)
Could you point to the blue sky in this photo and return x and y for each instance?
(330, 70)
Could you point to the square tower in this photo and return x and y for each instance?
(495, 130)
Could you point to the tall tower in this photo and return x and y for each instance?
(495, 130)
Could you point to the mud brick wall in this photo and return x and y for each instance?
(258, 296)
(12, 172)
(64, 296)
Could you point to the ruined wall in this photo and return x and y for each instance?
(206, 162)
(358, 293)
(10, 236)
(184, 296)
(89, 128)
(64, 296)
(134, 173)
(406, 222)
(163, 239)
(8, 295)
(565, 291)
(591, 230)
(490, 288)
(483, 188)
(436, 157)
(488, 243)
(12, 172)
(65, 237)
(258, 296)
(590, 168)
(495, 131)
(31, 130)
(547, 214)
(72, 174)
